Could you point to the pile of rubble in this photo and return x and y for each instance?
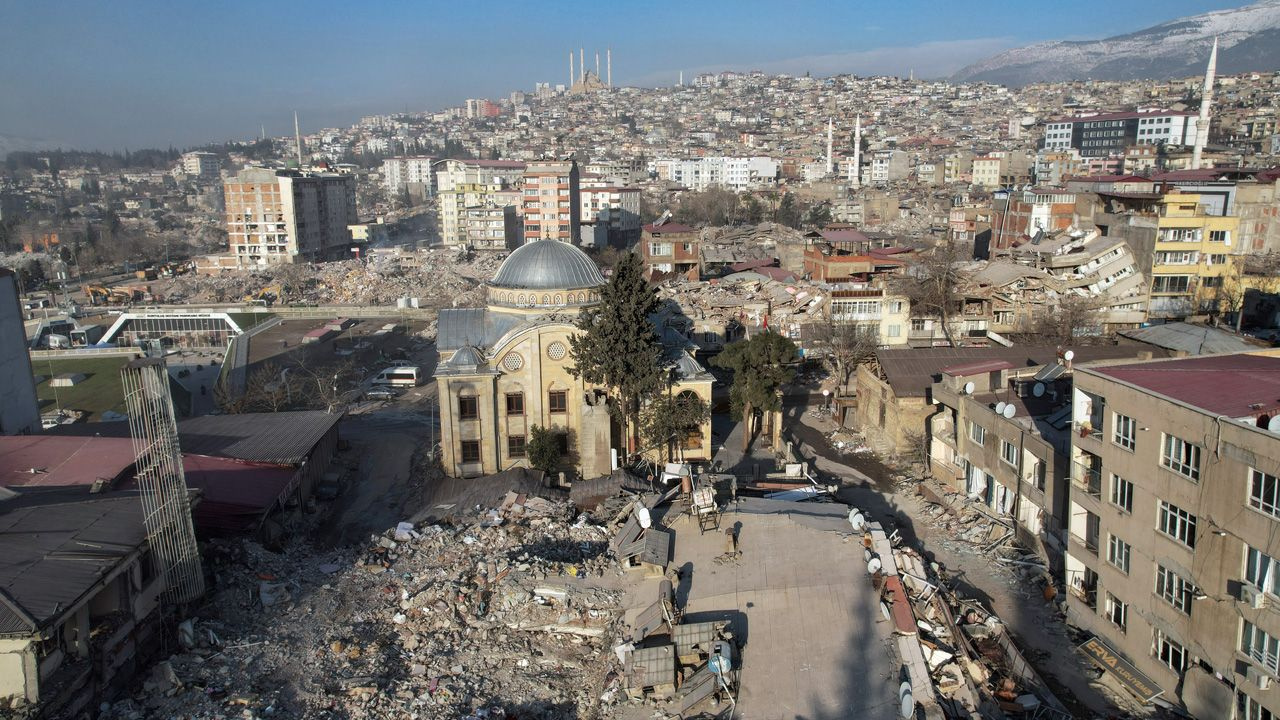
(438, 278)
(510, 614)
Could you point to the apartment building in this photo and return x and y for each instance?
(287, 216)
(1110, 133)
(414, 175)
(1016, 217)
(494, 226)
(888, 166)
(1192, 263)
(610, 214)
(735, 173)
(1173, 528)
(1098, 267)
(204, 166)
(873, 306)
(670, 247)
(463, 184)
(552, 201)
(957, 167)
(1002, 169)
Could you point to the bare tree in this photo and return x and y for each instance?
(932, 284)
(844, 345)
(1075, 319)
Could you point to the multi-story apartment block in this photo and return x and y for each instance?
(873, 306)
(1110, 133)
(671, 248)
(888, 166)
(610, 214)
(204, 166)
(735, 173)
(957, 167)
(1101, 268)
(1192, 262)
(289, 216)
(494, 226)
(552, 201)
(1174, 528)
(470, 183)
(1018, 216)
(415, 175)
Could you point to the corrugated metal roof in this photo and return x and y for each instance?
(284, 438)
(64, 459)
(56, 543)
(1191, 339)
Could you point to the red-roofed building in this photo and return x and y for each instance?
(671, 248)
(1173, 517)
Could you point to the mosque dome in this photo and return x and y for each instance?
(547, 265)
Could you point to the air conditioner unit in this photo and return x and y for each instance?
(1258, 677)
(1253, 597)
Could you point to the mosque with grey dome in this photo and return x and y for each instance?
(504, 368)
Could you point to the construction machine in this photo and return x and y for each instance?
(266, 297)
(96, 294)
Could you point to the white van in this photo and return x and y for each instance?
(399, 377)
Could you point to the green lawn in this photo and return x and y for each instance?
(99, 392)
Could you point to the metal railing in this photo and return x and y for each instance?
(1087, 478)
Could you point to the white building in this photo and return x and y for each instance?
(610, 214)
(409, 173)
(463, 184)
(734, 173)
(888, 166)
(202, 165)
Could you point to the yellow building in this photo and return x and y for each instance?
(505, 368)
(1194, 259)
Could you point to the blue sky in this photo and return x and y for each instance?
(135, 73)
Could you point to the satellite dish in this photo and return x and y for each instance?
(1000, 407)
(1274, 424)
(874, 565)
(1038, 389)
(867, 555)
(857, 520)
(1010, 410)
(908, 709)
(904, 689)
(1069, 355)
(642, 514)
(968, 388)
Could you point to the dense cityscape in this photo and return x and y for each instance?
(970, 388)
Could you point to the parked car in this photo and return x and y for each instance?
(381, 393)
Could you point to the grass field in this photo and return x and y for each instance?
(100, 391)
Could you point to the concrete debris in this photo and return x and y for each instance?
(437, 621)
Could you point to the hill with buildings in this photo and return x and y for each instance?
(1248, 40)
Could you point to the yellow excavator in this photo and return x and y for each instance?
(266, 297)
(97, 294)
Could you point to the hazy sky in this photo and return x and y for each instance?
(111, 74)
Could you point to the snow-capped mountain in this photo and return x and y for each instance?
(1248, 40)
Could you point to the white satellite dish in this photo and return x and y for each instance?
(904, 689)
(1069, 355)
(874, 565)
(1010, 410)
(1274, 424)
(856, 520)
(908, 709)
(1000, 407)
(1038, 389)
(642, 514)
(867, 555)
(968, 388)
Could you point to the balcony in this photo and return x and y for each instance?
(1087, 478)
(1090, 542)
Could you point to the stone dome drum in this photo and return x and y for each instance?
(547, 265)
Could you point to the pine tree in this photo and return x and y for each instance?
(617, 346)
(760, 366)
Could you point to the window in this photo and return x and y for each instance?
(515, 403)
(657, 248)
(1171, 284)
(977, 433)
(1264, 492)
(1009, 453)
(1177, 523)
(895, 331)
(1249, 709)
(1121, 493)
(470, 451)
(515, 446)
(558, 401)
(1173, 589)
(1181, 457)
(1118, 553)
(1261, 646)
(1117, 611)
(1221, 236)
(1125, 431)
(1168, 651)
(1260, 570)
(468, 407)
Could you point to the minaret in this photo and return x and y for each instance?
(831, 166)
(571, 68)
(582, 65)
(855, 173)
(1206, 100)
(597, 66)
(681, 78)
(608, 66)
(297, 138)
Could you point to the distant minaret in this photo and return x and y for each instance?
(297, 138)
(597, 65)
(855, 172)
(1206, 100)
(831, 165)
(608, 66)
(582, 64)
(681, 78)
(264, 132)
(571, 76)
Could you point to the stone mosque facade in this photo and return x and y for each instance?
(504, 368)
